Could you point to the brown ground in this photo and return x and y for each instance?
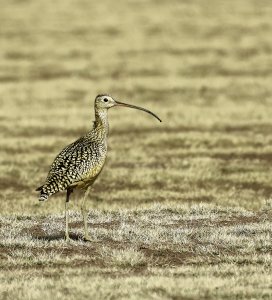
(182, 209)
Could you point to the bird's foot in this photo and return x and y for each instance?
(67, 238)
(87, 238)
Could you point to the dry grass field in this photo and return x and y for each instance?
(183, 208)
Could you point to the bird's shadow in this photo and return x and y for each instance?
(57, 237)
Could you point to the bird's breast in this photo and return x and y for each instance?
(95, 164)
(95, 169)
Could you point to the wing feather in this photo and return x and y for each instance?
(69, 166)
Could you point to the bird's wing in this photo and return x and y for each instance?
(64, 160)
(69, 166)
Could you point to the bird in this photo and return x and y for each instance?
(79, 164)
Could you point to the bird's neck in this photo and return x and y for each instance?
(101, 122)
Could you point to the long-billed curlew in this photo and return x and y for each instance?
(78, 165)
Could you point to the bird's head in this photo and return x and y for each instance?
(104, 101)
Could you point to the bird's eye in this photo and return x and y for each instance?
(105, 100)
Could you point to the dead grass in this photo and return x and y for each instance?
(178, 212)
(141, 247)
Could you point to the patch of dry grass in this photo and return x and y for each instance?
(206, 74)
(178, 211)
(143, 252)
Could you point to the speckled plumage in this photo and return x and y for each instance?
(79, 164)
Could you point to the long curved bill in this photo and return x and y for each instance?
(137, 107)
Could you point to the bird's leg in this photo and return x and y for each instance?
(85, 215)
(69, 191)
(67, 238)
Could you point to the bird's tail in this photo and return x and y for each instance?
(43, 195)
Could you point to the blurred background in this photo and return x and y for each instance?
(204, 67)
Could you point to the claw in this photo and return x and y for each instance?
(87, 238)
